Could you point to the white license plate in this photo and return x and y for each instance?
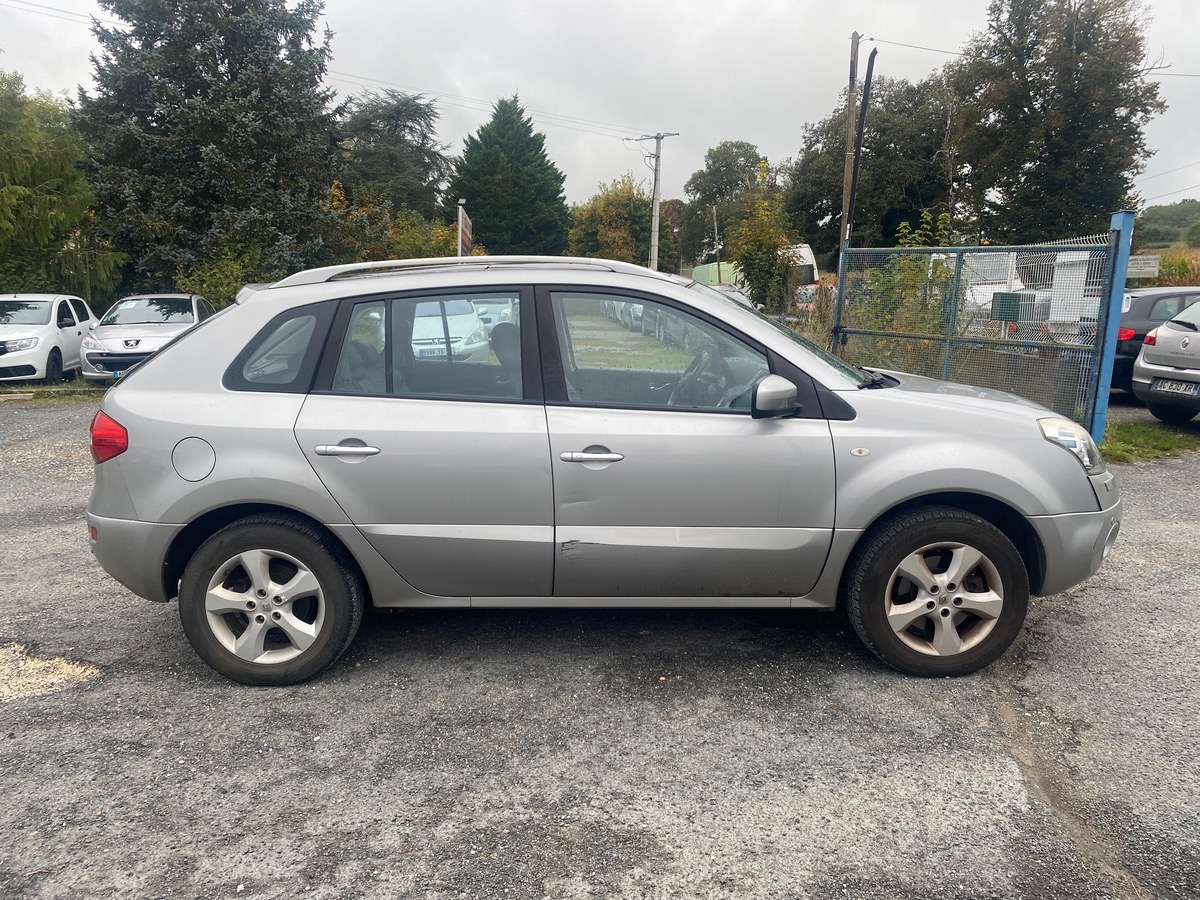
(1175, 387)
(431, 351)
(116, 375)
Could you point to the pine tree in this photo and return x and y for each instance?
(392, 152)
(514, 192)
(209, 135)
(44, 200)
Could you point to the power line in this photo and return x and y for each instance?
(1170, 193)
(1168, 172)
(916, 47)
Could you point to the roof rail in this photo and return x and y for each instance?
(394, 266)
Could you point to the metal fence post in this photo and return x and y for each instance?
(841, 299)
(951, 297)
(1120, 238)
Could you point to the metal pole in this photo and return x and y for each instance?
(862, 128)
(849, 165)
(717, 243)
(658, 139)
(1120, 238)
(461, 203)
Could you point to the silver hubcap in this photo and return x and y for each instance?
(264, 606)
(944, 599)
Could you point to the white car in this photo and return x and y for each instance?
(135, 327)
(40, 335)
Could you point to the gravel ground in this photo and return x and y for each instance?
(596, 753)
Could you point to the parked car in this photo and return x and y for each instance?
(40, 335)
(303, 472)
(1141, 312)
(1166, 374)
(136, 327)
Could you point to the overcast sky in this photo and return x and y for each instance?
(595, 73)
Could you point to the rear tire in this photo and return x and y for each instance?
(269, 600)
(937, 592)
(1172, 415)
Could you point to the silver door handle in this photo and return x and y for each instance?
(345, 450)
(579, 456)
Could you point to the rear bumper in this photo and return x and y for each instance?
(132, 552)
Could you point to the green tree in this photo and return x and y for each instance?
(45, 203)
(908, 163)
(392, 154)
(728, 179)
(514, 192)
(615, 224)
(756, 244)
(1056, 100)
(209, 136)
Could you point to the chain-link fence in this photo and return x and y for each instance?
(1021, 319)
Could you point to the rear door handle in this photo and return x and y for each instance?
(345, 450)
(582, 456)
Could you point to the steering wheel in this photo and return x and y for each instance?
(701, 383)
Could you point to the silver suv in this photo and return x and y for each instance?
(298, 456)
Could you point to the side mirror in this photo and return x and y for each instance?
(774, 397)
(66, 322)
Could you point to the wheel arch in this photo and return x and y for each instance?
(1010, 522)
(185, 544)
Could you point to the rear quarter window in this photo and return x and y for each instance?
(283, 356)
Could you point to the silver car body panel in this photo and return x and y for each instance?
(756, 504)
(746, 511)
(450, 478)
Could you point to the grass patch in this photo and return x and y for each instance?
(1127, 442)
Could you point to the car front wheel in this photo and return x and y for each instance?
(937, 592)
(269, 600)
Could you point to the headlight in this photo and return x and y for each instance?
(506, 314)
(478, 336)
(90, 343)
(1074, 437)
(22, 344)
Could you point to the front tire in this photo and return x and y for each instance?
(54, 370)
(937, 592)
(269, 600)
(1172, 415)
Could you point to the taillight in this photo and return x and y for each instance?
(109, 438)
(1151, 338)
(1125, 334)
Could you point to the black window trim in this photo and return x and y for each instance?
(808, 390)
(530, 363)
(233, 378)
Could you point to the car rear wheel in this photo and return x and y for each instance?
(269, 600)
(54, 372)
(1172, 415)
(937, 592)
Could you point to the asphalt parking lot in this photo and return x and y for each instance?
(592, 753)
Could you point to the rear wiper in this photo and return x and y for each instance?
(1187, 325)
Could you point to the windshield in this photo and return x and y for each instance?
(24, 312)
(149, 311)
(855, 375)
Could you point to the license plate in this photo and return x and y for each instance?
(116, 375)
(431, 351)
(1188, 388)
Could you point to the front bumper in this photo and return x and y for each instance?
(23, 365)
(1075, 546)
(102, 365)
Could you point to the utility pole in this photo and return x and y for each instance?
(658, 139)
(849, 165)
